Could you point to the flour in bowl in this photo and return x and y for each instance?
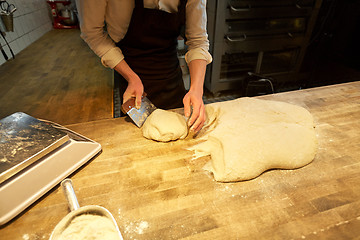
(90, 227)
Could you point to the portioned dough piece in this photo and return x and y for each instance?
(252, 136)
(165, 126)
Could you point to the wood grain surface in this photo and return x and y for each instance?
(57, 78)
(153, 194)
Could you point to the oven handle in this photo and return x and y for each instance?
(238, 39)
(236, 10)
(298, 4)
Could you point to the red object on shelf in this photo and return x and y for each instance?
(58, 20)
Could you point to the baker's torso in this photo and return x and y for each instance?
(149, 48)
(118, 23)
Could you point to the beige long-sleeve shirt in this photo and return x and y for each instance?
(117, 14)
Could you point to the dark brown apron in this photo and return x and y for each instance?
(149, 47)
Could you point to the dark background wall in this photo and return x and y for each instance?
(333, 54)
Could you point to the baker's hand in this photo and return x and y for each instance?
(134, 89)
(194, 99)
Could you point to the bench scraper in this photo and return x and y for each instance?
(139, 116)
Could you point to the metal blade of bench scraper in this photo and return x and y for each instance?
(140, 115)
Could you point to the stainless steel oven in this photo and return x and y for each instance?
(265, 37)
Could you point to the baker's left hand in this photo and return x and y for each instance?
(194, 99)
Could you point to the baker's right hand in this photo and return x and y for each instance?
(134, 89)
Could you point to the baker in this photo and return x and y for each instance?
(138, 39)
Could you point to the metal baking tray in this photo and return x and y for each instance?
(35, 156)
(23, 141)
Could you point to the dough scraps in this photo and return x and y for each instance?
(165, 126)
(90, 227)
(247, 136)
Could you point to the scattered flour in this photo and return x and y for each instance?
(130, 228)
(137, 227)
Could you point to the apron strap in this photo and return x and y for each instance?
(182, 4)
(139, 3)
(182, 11)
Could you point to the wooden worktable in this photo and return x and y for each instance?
(152, 194)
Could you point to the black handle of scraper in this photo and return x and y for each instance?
(129, 104)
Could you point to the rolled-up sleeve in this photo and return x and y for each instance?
(195, 31)
(92, 23)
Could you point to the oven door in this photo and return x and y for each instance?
(240, 9)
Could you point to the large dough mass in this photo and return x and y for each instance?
(165, 126)
(249, 136)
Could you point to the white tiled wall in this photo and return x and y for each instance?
(31, 20)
